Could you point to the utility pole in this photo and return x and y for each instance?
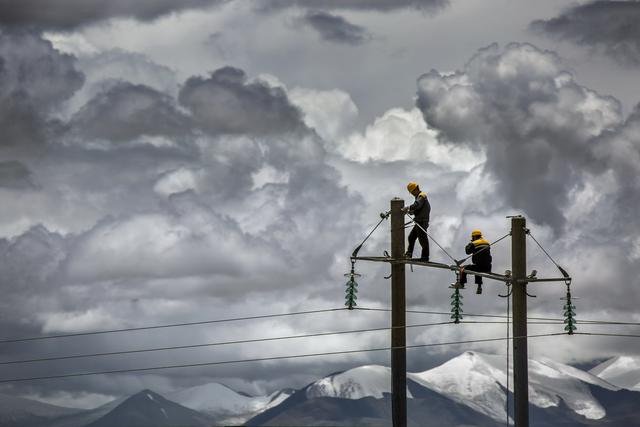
(519, 294)
(518, 279)
(398, 318)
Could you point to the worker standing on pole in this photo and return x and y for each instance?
(421, 209)
(481, 258)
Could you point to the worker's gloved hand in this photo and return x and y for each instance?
(405, 209)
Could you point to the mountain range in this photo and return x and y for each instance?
(468, 390)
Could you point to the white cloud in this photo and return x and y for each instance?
(178, 180)
(403, 135)
(331, 113)
(195, 242)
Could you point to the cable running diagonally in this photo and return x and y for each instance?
(607, 334)
(508, 332)
(499, 316)
(562, 270)
(172, 325)
(383, 216)
(180, 347)
(260, 359)
(431, 237)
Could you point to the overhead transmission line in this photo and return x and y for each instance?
(604, 334)
(170, 325)
(179, 347)
(255, 340)
(502, 316)
(261, 359)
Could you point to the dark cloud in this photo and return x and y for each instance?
(610, 26)
(380, 5)
(619, 150)
(226, 102)
(535, 122)
(35, 79)
(70, 14)
(126, 111)
(15, 175)
(230, 217)
(105, 69)
(335, 28)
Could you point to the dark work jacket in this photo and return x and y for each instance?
(421, 209)
(481, 256)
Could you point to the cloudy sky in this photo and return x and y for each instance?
(165, 162)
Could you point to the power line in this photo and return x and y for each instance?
(262, 359)
(431, 237)
(483, 322)
(179, 347)
(500, 316)
(266, 316)
(604, 334)
(171, 325)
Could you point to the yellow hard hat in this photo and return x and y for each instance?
(476, 232)
(412, 186)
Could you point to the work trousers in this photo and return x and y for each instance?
(475, 267)
(421, 236)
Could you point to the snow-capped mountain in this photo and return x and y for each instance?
(473, 383)
(470, 389)
(225, 405)
(623, 371)
(357, 383)
(480, 382)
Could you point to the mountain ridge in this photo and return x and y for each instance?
(469, 389)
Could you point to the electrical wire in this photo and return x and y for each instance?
(508, 332)
(603, 334)
(431, 237)
(383, 216)
(500, 316)
(266, 316)
(562, 270)
(172, 325)
(558, 322)
(528, 232)
(180, 347)
(261, 359)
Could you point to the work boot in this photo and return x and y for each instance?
(423, 259)
(408, 254)
(479, 290)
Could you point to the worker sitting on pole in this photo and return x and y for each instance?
(481, 250)
(421, 209)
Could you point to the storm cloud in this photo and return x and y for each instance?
(334, 28)
(67, 15)
(15, 175)
(607, 26)
(125, 111)
(35, 79)
(380, 5)
(226, 102)
(535, 121)
(216, 204)
(170, 187)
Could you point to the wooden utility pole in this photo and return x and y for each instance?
(519, 295)
(398, 319)
(518, 278)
